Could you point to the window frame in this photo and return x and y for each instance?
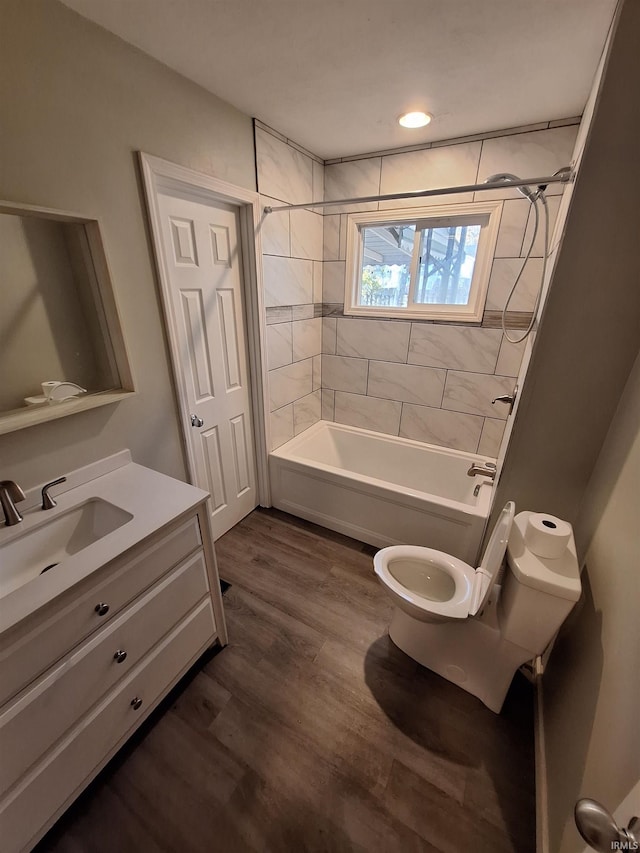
(487, 214)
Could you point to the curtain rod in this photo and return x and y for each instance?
(564, 176)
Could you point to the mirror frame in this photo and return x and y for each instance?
(21, 419)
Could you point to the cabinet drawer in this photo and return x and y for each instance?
(38, 719)
(51, 785)
(47, 639)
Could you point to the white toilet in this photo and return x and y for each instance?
(456, 621)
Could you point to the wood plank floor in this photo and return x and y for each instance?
(310, 731)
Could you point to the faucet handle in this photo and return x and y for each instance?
(47, 501)
(507, 398)
(10, 495)
(13, 490)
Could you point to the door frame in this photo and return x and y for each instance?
(161, 175)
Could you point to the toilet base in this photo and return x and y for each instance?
(469, 653)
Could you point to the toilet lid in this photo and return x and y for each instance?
(487, 571)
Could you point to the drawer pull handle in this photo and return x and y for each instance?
(120, 656)
(101, 609)
(136, 703)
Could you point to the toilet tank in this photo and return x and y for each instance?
(537, 593)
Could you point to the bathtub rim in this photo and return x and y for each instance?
(481, 508)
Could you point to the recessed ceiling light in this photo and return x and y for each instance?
(414, 119)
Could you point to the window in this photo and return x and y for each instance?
(430, 262)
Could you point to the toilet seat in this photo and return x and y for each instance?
(414, 596)
(433, 586)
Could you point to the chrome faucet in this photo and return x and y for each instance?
(10, 494)
(487, 470)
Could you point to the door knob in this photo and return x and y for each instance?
(196, 421)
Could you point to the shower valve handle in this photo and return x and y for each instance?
(507, 398)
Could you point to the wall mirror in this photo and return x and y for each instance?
(58, 319)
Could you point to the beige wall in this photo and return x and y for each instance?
(592, 686)
(575, 452)
(76, 104)
(588, 339)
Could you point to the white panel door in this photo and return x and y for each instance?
(204, 265)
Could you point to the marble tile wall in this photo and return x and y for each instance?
(428, 381)
(292, 245)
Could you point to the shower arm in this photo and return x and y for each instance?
(563, 176)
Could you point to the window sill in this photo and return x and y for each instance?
(408, 314)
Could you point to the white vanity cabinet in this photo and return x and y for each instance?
(79, 675)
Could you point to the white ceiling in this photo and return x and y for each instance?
(334, 75)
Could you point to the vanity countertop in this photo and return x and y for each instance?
(152, 499)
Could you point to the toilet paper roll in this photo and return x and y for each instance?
(546, 536)
(49, 386)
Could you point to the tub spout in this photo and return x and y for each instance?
(487, 470)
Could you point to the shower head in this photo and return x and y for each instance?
(508, 178)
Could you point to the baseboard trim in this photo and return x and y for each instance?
(542, 793)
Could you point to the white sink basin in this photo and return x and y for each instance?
(22, 559)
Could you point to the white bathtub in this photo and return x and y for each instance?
(382, 489)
